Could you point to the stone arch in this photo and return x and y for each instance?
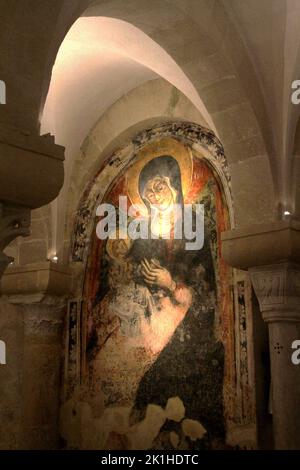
(226, 82)
(201, 140)
(219, 78)
(150, 104)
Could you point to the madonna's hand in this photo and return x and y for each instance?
(155, 275)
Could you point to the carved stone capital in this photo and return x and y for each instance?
(262, 244)
(37, 182)
(40, 168)
(277, 288)
(14, 222)
(271, 253)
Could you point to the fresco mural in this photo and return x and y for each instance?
(155, 315)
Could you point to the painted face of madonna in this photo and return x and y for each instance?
(159, 193)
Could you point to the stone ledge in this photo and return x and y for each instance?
(40, 168)
(262, 244)
(36, 278)
(44, 144)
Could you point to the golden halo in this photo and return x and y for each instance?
(165, 146)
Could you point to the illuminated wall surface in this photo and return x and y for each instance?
(153, 342)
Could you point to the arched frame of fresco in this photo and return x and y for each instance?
(204, 146)
(202, 141)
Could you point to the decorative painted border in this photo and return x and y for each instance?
(73, 340)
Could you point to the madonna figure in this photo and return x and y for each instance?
(152, 335)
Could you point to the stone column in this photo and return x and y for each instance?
(277, 288)
(41, 375)
(271, 253)
(32, 311)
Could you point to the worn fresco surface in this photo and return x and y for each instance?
(156, 317)
(157, 337)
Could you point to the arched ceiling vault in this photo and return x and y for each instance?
(237, 56)
(100, 60)
(270, 31)
(112, 49)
